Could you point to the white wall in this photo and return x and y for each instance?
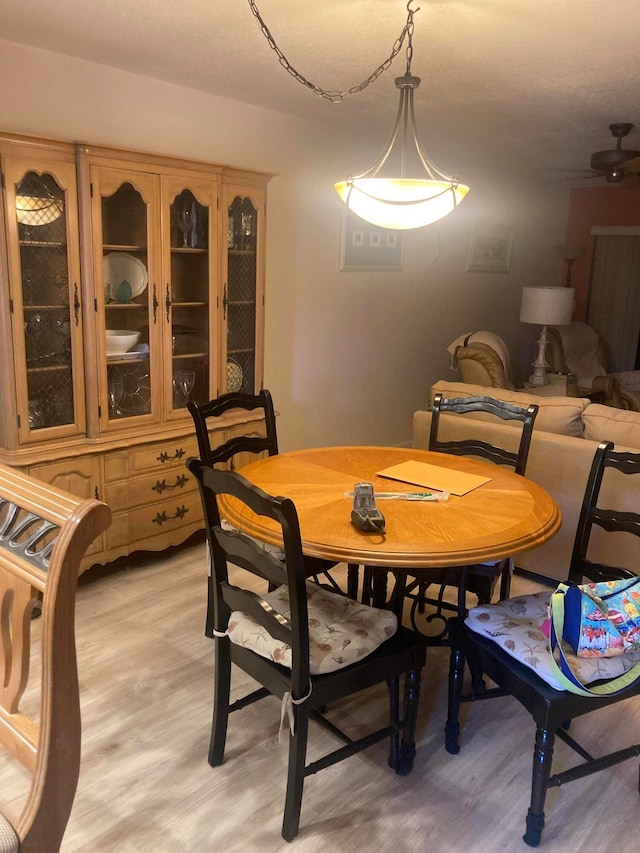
(349, 355)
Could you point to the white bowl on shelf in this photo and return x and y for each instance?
(121, 340)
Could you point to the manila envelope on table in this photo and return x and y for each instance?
(434, 477)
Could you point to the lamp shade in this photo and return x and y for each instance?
(546, 306)
(400, 203)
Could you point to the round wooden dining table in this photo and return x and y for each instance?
(506, 515)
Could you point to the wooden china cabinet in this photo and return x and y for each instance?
(131, 283)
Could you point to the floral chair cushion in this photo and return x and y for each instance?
(341, 631)
(518, 625)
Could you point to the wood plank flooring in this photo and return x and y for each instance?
(146, 787)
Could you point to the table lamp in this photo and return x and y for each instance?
(545, 306)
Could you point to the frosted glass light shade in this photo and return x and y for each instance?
(400, 203)
(546, 306)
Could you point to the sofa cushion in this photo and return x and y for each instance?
(604, 423)
(561, 415)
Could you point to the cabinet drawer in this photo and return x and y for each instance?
(140, 491)
(162, 456)
(147, 458)
(156, 522)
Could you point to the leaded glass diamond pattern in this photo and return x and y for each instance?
(40, 212)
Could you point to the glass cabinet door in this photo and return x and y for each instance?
(125, 211)
(44, 261)
(190, 217)
(240, 293)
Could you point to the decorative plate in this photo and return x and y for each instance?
(126, 356)
(235, 375)
(125, 276)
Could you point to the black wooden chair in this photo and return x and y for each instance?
(479, 579)
(206, 417)
(505, 642)
(302, 643)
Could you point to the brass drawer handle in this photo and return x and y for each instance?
(164, 457)
(161, 517)
(162, 485)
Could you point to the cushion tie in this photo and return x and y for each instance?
(286, 710)
(286, 707)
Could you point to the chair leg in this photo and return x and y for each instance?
(505, 579)
(221, 690)
(353, 575)
(542, 758)
(393, 685)
(452, 726)
(296, 775)
(411, 703)
(367, 585)
(379, 597)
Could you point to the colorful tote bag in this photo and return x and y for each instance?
(596, 620)
(603, 619)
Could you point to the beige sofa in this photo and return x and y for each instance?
(566, 434)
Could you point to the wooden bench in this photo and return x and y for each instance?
(44, 533)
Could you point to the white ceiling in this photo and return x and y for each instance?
(513, 81)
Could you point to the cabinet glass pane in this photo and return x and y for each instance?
(242, 235)
(126, 292)
(187, 304)
(44, 268)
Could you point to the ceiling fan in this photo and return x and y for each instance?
(617, 163)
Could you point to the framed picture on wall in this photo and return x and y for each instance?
(368, 247)
(490, 248)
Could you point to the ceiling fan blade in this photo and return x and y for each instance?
(633, 166)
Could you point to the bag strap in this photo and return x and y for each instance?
(563, 671)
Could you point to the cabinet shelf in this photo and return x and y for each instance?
(241, 251)
(49, 368)
(189, 304)
(118, 360)
(43, 244)
(49, 307)
(185, 356)
(118, 306)
(121, 247)
(187, 250)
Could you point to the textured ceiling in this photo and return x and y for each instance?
(512, 81)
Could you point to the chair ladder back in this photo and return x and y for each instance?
(611, 520)
(238, 549)
(205, 412)
(475, 447)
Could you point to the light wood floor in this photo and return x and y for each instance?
(146, 787)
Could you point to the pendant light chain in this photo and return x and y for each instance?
(335, 96)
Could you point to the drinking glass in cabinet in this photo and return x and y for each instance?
(185, 380)
(116, 393)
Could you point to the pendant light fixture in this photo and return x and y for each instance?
(399, 201)
(402, 189)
